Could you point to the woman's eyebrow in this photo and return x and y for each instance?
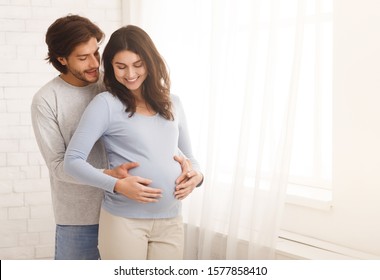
(121, 63)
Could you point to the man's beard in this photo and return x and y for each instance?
(82, 76)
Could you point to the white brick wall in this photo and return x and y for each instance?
(26, 217)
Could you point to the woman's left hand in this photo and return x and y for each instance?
(188, 180)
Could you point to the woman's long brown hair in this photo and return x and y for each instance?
(156, 87)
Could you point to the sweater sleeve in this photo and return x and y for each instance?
(184, 143)
(92, 126)
(49, 139)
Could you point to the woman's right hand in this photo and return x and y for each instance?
(136, 188)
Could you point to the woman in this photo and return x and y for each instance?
(139, 121)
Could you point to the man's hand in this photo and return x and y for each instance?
(121, 171)
(136, 188)
(188, 180)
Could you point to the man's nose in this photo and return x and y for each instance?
(94, 61)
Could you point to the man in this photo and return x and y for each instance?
(73, 49)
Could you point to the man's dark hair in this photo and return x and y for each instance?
(65, 34)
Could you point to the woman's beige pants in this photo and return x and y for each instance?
(140, 239)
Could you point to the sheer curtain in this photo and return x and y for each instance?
(237, 66)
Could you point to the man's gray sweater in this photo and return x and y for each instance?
(56, 110)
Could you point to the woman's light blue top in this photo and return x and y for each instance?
(152, 141)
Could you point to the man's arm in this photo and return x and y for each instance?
(50, 140)
(121, 171)
(52, 145)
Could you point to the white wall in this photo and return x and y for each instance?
(354, 220)
(26, 219)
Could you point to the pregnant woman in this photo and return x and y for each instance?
(140, 121)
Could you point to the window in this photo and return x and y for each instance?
(227, 59)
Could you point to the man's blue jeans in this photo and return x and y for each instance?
(76, 242)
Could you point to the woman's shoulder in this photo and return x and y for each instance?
(175, 99)
(108, 98)
(106, 95)
(176, 105)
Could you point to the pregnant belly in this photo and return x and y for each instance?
(163, 174)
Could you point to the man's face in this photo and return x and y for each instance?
(82, 64)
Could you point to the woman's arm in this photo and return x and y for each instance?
(194, 177)
(93, 124)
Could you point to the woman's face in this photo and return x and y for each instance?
(129, 70)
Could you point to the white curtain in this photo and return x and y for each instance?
(237, 66)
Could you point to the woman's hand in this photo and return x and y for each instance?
(188, 180)
(136, 188)
(133, 187)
